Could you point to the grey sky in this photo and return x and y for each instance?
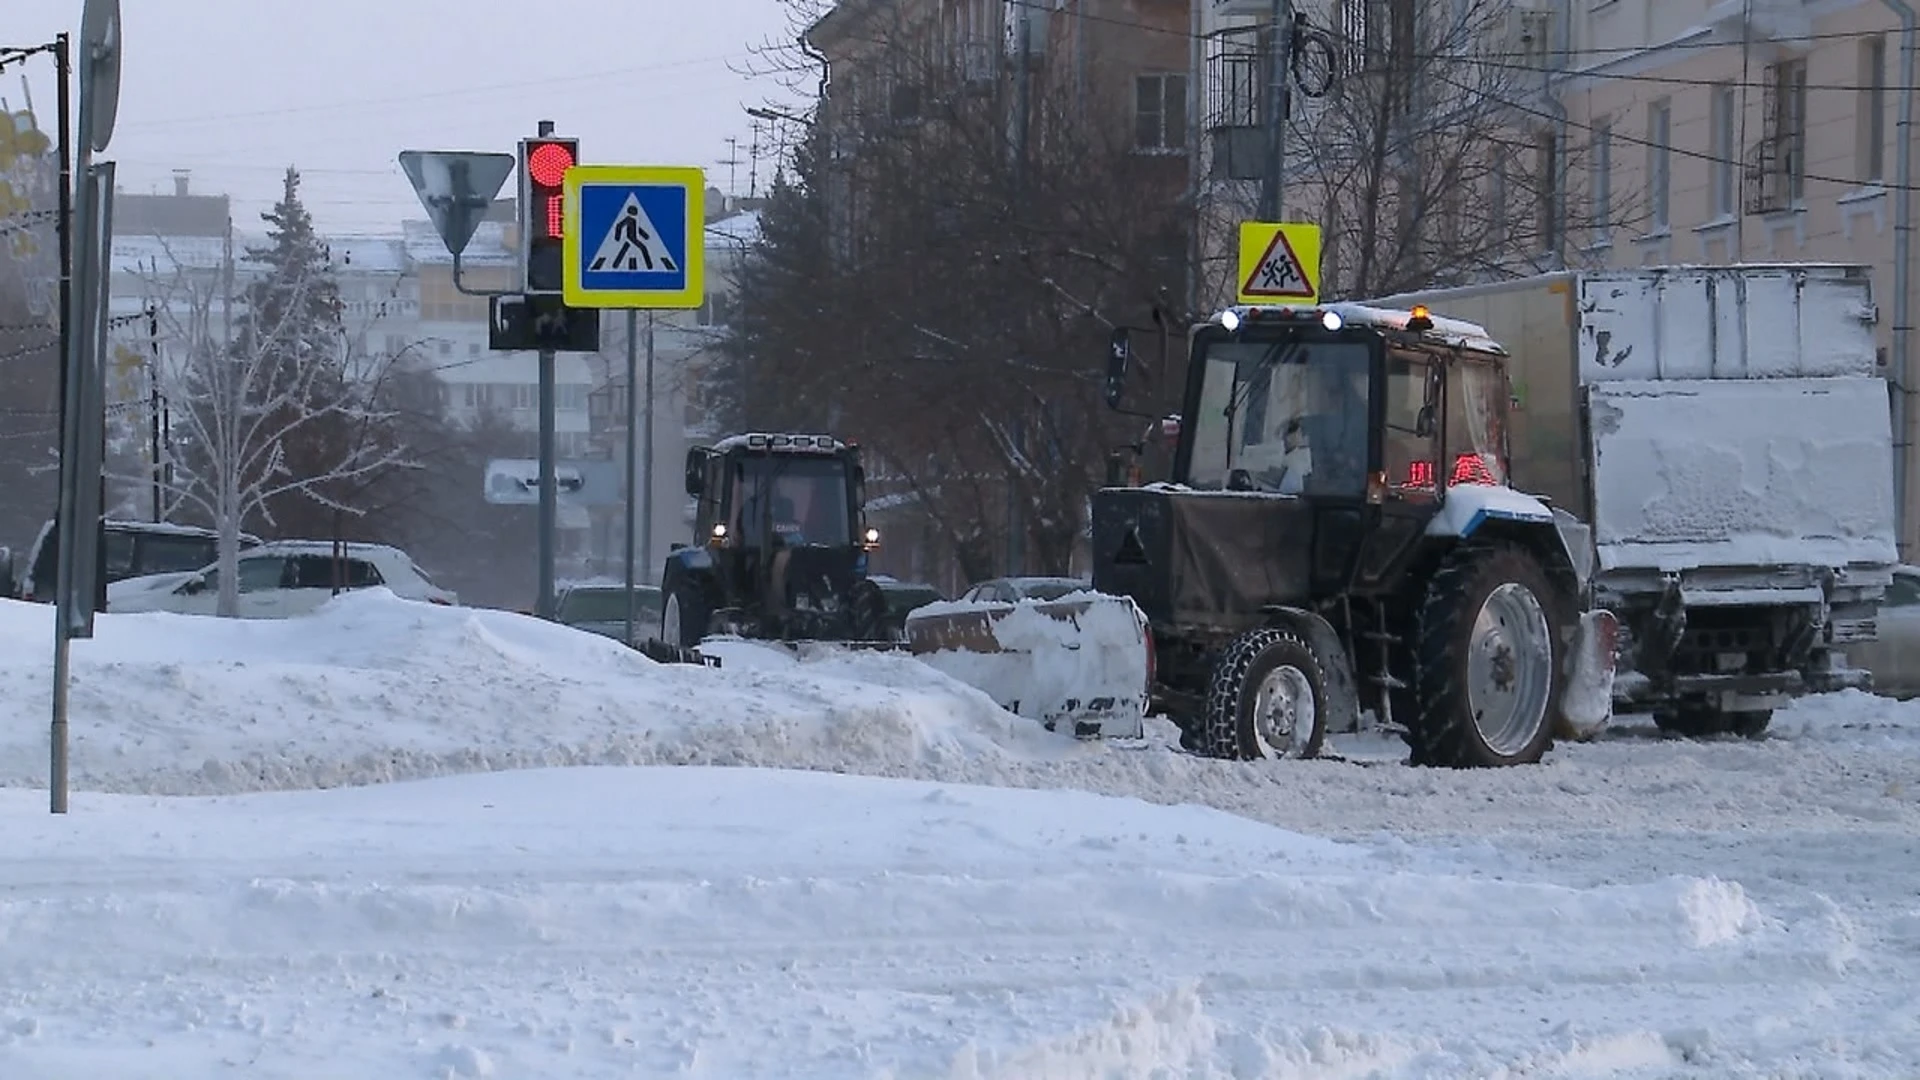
(236, 90)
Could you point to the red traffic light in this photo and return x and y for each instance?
(548, 162)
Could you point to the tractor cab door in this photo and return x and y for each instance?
(1409, 405)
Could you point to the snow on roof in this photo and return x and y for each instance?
(740, 230)
(162, 255)
(1456, 332)
(488, 247)
(368, 254)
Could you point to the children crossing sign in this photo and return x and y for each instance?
(1279, 262)
(634, 237)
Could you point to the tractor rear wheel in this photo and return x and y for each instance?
(1266, 698)
(1488, 654)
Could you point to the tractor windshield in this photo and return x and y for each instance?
(796, 499)
(1284, 414)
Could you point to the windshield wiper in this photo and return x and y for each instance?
(1277, 353)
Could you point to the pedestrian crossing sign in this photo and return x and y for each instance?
(634, 237)
(1279, 262)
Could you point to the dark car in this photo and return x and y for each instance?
(904, 596)
(130, 549)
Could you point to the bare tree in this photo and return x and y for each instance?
(1422, 141)
(241, 410)
(938, 272)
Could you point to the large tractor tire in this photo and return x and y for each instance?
(871, 621)
(1488, 656)
(1267, 698)
(684, 613)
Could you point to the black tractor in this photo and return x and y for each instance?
(780, 548)
(1337, 534)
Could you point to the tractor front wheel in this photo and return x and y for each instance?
(1266, 698)
(684, 614)
(1488, 657)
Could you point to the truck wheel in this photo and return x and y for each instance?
(684, 615)
(1267, 698)
(1488, 655)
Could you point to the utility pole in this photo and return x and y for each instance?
(153, 403)
(1280, 62)
(646, 476)
(1023, 94)
(633, 466)
(549, 468)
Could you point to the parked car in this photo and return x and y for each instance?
(131, 549)
(281, 579)
(602, 609)
(1894, 657)
(1007, 590)
(905, 596)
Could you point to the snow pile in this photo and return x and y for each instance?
(375, 688)
(1049, 660)
(1729, 473)
(747, 922)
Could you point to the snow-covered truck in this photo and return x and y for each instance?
(1726, 432)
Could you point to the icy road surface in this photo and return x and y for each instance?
(1636, 907)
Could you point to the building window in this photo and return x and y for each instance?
(1546, 163)
(1160, 112)
(1872, 112)
(1725, 121)
(1783, 154)
(1602, 165)
(1659, 163)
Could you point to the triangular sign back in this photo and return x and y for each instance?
(457, 188)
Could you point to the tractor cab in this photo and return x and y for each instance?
(1344, 403)
(781, 546)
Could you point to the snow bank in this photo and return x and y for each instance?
(375, 688)
(1046, 660)
(746, 922)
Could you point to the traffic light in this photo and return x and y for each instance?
(544, 162)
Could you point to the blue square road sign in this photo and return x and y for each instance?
(634, 237)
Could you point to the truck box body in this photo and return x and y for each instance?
(1726, 432)
(1736, 416)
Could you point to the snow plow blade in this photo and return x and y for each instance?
(662, 653)
(1586, 705)
(1080, 665)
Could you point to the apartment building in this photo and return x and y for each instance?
(1750, 131)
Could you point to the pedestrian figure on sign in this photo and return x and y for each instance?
(631, 236)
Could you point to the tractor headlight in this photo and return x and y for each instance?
(1332, 320)
(872, 537)
(1230, 319)
(719, 533)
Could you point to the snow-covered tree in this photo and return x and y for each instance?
(271, 411)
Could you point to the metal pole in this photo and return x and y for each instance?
(646, 474)
(1271, 191)
(62, 637)
(549, 494)
(633, 458)
(153, 405)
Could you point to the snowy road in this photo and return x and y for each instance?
(749, 922)
(1633, 907)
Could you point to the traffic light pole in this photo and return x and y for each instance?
(549, 468)
(549, 500)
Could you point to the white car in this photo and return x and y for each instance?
(1894, 656)
(281, 579)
